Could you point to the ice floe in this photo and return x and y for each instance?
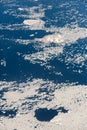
(64, 35)
(36, 24)
(53, 38)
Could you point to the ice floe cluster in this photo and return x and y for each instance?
(19, 102)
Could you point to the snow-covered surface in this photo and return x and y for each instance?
(71, 97)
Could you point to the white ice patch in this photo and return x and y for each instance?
(36, 12)
(21, 9)
(73, 34)
(77, 58)
(36, 24)
(32, 12)
(80, 59)
(24, 95)
(53, 38)
(64, 35)
(21, 41)
(45, 55)
(75, 99)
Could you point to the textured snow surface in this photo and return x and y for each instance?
(28, 98)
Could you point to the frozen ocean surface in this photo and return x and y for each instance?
(43, 65)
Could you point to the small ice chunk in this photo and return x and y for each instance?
(3, 63)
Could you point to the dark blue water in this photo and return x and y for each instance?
(43, 114)
(16, 67)
(8, 113)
